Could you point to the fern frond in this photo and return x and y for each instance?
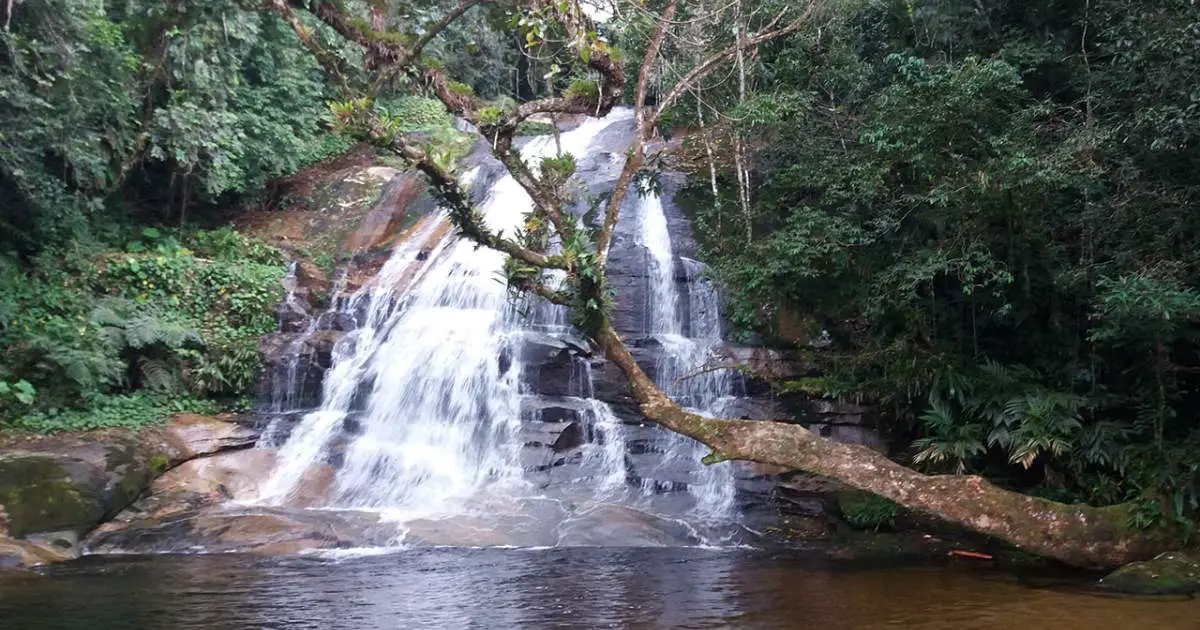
(158, 375)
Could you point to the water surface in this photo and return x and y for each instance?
(555, 588)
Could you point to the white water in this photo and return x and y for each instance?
(439, 417)
(420, 420)
(683, 369)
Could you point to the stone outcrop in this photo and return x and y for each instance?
(235, 529)
(56, 489)
(1171, 573)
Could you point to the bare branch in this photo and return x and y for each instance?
(707, 66)
(637, 155)
(415, 52)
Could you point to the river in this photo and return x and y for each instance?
(558, 588)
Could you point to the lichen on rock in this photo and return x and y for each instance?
(1174, 572)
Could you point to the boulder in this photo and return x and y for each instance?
(19, 554)
(73, 484)
(239, 529)
(622, 526)
(198, 435)
(402, 200)
(557, 436)
(312, 282)
(1175, 572)
(55, 489)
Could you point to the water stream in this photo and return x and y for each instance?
(424, 410)
(686, 367)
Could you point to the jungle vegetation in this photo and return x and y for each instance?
(985, 206)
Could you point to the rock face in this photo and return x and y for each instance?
(1176, 572)
(261, 530)
(54, 490)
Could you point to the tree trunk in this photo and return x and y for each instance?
(1079, 535)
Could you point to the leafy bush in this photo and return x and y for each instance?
(583, 89)
(867, 512)
(529, 128)
(416, 113)
(157, 317)
(124, 411)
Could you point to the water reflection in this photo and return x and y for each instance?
(553, 588)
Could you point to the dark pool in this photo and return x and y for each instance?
(557, 588)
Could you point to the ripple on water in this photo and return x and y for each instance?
(551, 588)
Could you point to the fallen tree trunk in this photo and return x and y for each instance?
(1079, 535)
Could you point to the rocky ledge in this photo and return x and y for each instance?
(54, 490)
(1171, 573)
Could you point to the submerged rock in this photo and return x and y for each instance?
(615, 525)
(1175, 572)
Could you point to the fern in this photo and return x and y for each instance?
(158, 375)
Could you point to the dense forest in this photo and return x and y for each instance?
(985, 207)
(989, 207)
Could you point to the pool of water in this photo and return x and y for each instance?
(557, 588)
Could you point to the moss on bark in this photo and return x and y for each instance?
(1079, 535)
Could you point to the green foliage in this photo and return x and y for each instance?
(555, 171)
(867, 512)
(127, 411)
(415, 113)
(530, 128)
(490, 115)
(177, 314)
(461, 89)
(584, 90)
(177, 103)
(991, 215)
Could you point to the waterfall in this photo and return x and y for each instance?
(437, 413)
(417, 405)
(683, 367)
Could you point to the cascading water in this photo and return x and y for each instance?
(682, 368)
(425, 412)
(432, 415)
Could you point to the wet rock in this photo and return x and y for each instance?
(757, 408)
(208, 482)
(767, 363)
(540, 458)
(826, 411)
(553, 409)
(293, 316)
(55, 489)
(73, 484)
(312, 282)
(609, 384)
(645, 438)
(557, 436)
(623, 526)
(561, 374)
(21, 554)
(538, 348)
(336, 321)
(198, 435)
(315, 349)
(296, 363)
(403, 199)
(259, 530)
(659, 474)
(1175, 572)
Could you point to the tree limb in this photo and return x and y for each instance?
(707, 66)
(1080, 535)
